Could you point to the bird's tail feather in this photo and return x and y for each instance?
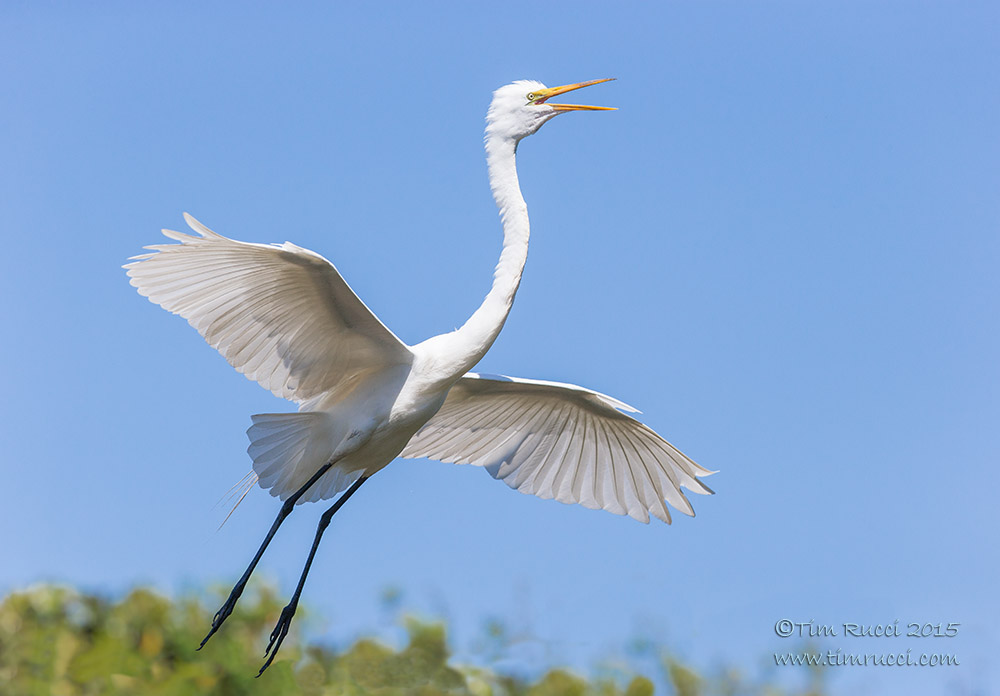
(288, 448)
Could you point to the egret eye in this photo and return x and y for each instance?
(531, 97)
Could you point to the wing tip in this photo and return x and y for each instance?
(198, 227)
(707, 491)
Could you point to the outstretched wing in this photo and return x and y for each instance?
(559, 441)
(280, 314)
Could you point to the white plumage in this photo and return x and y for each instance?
(284, 317)
(280, 314)
(559, 441)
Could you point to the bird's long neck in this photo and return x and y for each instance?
(481, 330)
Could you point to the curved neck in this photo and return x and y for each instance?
(481, 330)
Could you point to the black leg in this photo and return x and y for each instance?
(286, 509)
(285, 620)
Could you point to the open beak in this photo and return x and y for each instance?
(544, 95)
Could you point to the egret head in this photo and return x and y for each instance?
(520, 108)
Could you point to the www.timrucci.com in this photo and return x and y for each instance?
(838, 657)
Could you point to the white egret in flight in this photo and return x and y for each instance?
(284, 317)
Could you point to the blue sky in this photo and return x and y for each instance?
(782, 248)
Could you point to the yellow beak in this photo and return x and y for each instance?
(543, 95)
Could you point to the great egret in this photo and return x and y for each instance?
(283, 316)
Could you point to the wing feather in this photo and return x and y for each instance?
(280, 314)
(564, 464)
(549, 467)
(560, 441)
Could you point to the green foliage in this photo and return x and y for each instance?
(55, 641)
(685, 682)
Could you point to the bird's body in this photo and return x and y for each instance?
(283, 316)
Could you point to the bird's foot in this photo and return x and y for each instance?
(279, 633)
(223, 613)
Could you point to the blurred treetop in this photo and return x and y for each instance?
(55, 641)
